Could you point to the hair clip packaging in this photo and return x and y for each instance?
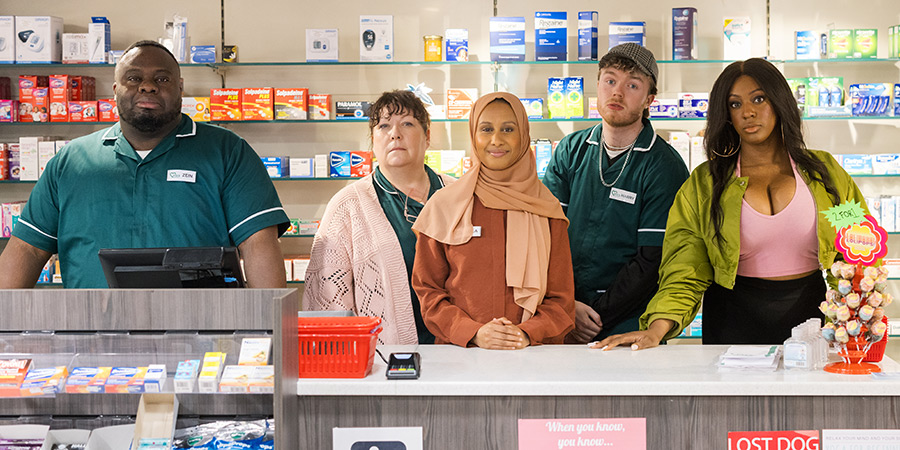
(376, 38)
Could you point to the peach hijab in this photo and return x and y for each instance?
(447, 217)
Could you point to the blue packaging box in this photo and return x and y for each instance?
(340, 164)
(550, 36)
(543, 149)
(897, 100)
(684, 34)
(871, 99)
(807, 45)
(277, 166)
(587, 35)
(203, 54)
(457, 43)
(622, 32)
(534, 107)
(857, 164)
(507, 38)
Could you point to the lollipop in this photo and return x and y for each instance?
(828, 332)
(876, 332)
(843, 313)
(836, 268)
(847, 271)
(853, 328)
(888, 299)
(875, 299)
(823, 307)
(832, 295)
(880, 283)
(884, 270)
(832, 311)
(852, 299)
(866, 284)
(844, 286)
(865, 313)
(840, 335)
(871, 272)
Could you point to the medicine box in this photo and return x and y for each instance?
(459, 102)
(185, 375)
(224, 104)
(534, 107)
(351, 110)
(623, 32)
(543, 150)
(7, 39)
(75, 48)
(277, 166)
(321, 166)
(376, 38)
(83, 111)
(664, 108)
(155, 378)
(871, 99)
(203, 54)
(360, 163)
(257, 104)
(262, 380)
(550, 36)
(456, 42)
(556, 97)
(507, 38)
(693, 105)
(320, 106)
(840, 44)
(340, 164)
(120, 377)
(574, 97)
(197, 108)
(807, 45)
(38, 39)
(302, 167)
(9, 111)
(46, 151)
(84, 380)
(12, 374)
(299, 266)
(99, 40)
(736, 38)
(59, 95)
(452, 162)
(47, 381)
(433, 160)
(593, 113)
(28, 158)
(865, 43)
(896, 100)
(290, 104)
(681, 142)
(255, 351)
(684, 34)
(857, 164)
(587, 35)
(322, 45)
(210, 371)
(886, 164)
(235, 379)
(108, 112)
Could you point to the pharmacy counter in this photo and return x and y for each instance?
(472, 398)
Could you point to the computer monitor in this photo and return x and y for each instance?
(175, 267)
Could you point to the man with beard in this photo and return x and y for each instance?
(616, 181)
(155, 179)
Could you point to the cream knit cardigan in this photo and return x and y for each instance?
(356, 264)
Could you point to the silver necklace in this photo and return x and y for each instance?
(628, 149)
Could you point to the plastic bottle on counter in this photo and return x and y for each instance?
(797, 350)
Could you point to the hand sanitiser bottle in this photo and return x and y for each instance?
(797, 351)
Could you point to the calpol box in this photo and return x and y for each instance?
(507, 36)
(684, 33)
(224, 104)
(320, 106)
(360, 163)
(107, 110)
(34, 96)
(256, 104)
(550, 36)
(197, 108)
(587, 35)
(624, 32)
(59, 96)
(340, 164)
(83, 111)
(459, 102)
(290, 104)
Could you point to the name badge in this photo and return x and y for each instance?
(184, 176)
(622, 195)
(476, 231)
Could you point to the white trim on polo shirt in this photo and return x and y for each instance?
(253, 216)
(651, 230)
(36, 229)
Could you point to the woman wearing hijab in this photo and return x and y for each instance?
(493, 267)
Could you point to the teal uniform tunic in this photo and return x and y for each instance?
(200, 186)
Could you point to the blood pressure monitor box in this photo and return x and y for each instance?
(7, 39)
(321, 45)
(376, 34)
(38, 39)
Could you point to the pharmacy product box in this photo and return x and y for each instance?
(12, 374)
(664, 108)
(277, 166)
(574, 97)
(459, 102)
(4, 164)
(262, 380)
(108, 112)
(807, 45)
(736, 38)
(507, 36)
(543, 150)
(9, 111)
(340, 164)
(351, 110)
(185, 375)
(120, 377)
(155, 378)
(34, 104)
(681, 142)
(7, 39)
(376, 38)
(456, 43)
(255, 351)
(59, 439)
(550, 36)
(623, 32)
(75, 48)
(155, 420)
(360, 163)
(210, 371)
(197, 108)
(59, 95)
(889, 213)
(10, 216)
(28, 158)
(14, 157)
(451, 162)
(256, 104)
(321, 165)
(840, 44)
(857, 164)
(698, 152)
(684, 34)
(871, 99)
(593, 113)
(235, 379)
(85, 380)
(98, 39)
(302, 167)
(322, 45)
(39, 39)
(320, 106)
(203, 54)
(224, 104)
(534, 107)
(433, 160)
(874, 204)
(886, 164)
(896, 105)
(587, 35)
(556, 97)
(306, 226)
(693, 105)
(865, 43)
(290, 104)
(83, 111)
(46, 151)
(298, 268)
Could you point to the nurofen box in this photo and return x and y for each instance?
(459, 102)
(351, 110)
(83, 111)
(622, 32)
(224, 104)
(59, 97)
(865, 43)
(185, 375)
(277, 166)
(840, 44)
(556, 97)
(87, 380)
(43, 381)
(320, 106)
(39, 39)
(664, 108)
(684, 33)
(340, 164)
(197, 108)
(550, 42)
(507, 36)
(574, 97)
(534, 107)
(587, 35)
(256, 104)
(456, 41)
(360, 163)
(290, 104)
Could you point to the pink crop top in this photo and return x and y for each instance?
(783, 244)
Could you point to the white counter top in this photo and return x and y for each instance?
(575, 370)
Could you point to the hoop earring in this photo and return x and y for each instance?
(729, 152)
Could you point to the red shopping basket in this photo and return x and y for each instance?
(337, 347)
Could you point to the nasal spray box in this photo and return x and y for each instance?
(38, 39)
(98, 40)
(376, 34)
(736, 38)
(587, 35)
(507, 38)
(623, 32)
(550, 36)
(684, 34)
(456, 41)
(322, 45)
(7, 39)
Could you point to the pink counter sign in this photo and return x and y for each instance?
(559, 434)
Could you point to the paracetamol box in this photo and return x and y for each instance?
(507, 38)
(85, 380)
(351, 110)
(339, 163)
(556, 97)
(840, 44)
(857, 164)
(664, 108)
(550, 36)
(277, 166)
(197, 108)
(224, 104)
(736, 38)
(886, 164)
(534, 107)
(83, 111)
(459, 102)
(360, 163)
(587, 35)
(693, 105)
(256, 104)
(39, 39)
(574, 97)
(203, 54)
(684, 33)
(807, 45)
(543, 150)
(376, 38)
(865, 43)
(121, 377)
(290, 104)
(622, 32)
(302, 167)
(185, 375)
(456, 42)
(320, 106)
(322, 45)
(7, 39)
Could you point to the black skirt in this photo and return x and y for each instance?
(760, 311)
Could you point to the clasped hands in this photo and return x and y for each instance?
(501, 334)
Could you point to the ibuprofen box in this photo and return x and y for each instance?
(320, 106)
(360, 163)
(197, 108)
(340, 164)
(107, 110)
(225, 104)
(83, 111)
(290, 104)
(459, 102)
(256, 104)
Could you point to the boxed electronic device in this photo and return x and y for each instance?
(684, 34)
(534, 107)
(320, 106)
(587, 35)
(257, 104)
(99, 40)
(38, 39)
(622, 32)
(322, 45)
(456, 41)
(507, 36)
(737, 38)
(75, 48)
(376, 34)
(351, 110)
(290, 104)
(7, 39)
(203, 54)
(224, 104)
(550, 36)
(459, 102)
(197, 108)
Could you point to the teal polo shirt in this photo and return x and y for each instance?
(201, 186)
(608, 224)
